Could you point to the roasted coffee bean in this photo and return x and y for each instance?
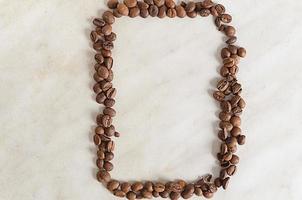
(218, 95)
(170, 3)
(107, 29)
(231, 40)
(142, 5)
(144, 13)
(155, 194)
(110, 146)
(225, 53)
(148, 186)
(137, 186)
(222, 134)
(217, 182)
(192, 14)
(111, 93)
(235, 121)
(235, 99)
(113, 185)
(228, 62)
(227, 156)
(162, 11)
(237, 111)
(117, 134)
(171, 12)
(224, 71)
(223, 148)
(223, 174)
(226, 18)
(175, 187)
(241, 52)
(112, 4)
(116, 13)
(130, 3)
(159, 187)
(241, 103)
(164, 194)
(111, 37)
(217, 22)
(225, 164)
(105, 138)
(225, 106)
(97, 88)
(96, 139)
(98, 45)
(131, 196)
(241, 139)
(174, 195)
(99, 58)
(103, 72)
(108, 45)
(208, 195)
(109, 156)
(207, 3)
(188, 191)
(159, 3)
(234, 160)
(146, 194)
(204, 12)
(119, 193)
(101, 154)
(153, 10)
(105, 85)
(134, 12)
(106, 53)
(235, 131)
(233, 149)
(180, 11)
(103, 176)
(198, 192)
(99, 22)
(99, 130)
(108, 166)
(231, 141)
(149, 2)
(122, 9)
(94, 36)
(110, 77)
(214, 11)
(222, 27)
(222, 85)
(109, 111)
(198, 5)
(109, 102)
(108, 17)
(233, 49)
(231, 170)
(109, 131)
(230, 31)
(105, 120)
(100, 98)
(220, 9)
(126, 187)
(108, 62)
(190, 7)
(224, 116)
(236, 88)
(225, 182)
(212, 188)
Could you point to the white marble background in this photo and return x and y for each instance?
(164, 72)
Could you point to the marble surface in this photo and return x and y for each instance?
(165, 71)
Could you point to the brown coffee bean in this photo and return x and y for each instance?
(142, 5)
(108, 166)
(241, 139)
(207, 4)
(225, 182)
(217, 22)
(171, 12)
(109, 131)
(106, 120)
(108, 17)
(109, 102)
(222, 85)
(225, 106)
(237, 111)
(98, 45)
(159, 187)
(108, 62)
(107, 29)
(113, 185)
(111, 37)
(218, 95)
(162, 11)
(137, 186)
(111, 93)
(119, 193)
(180, 11)
(235, 131)
(234, 160)
(225, 53)
(100, 98)
(208, 195)
(110, 146)
(217, 182)
(99, 130)
(146, 194)
(144, 13)
(99, 58)
(223, 174)
(231, 40)
(100, 154)
(122, 9)
(198, 192)
(223, 148)
(192, 14)
(170, 3)
(159, 3)
(149, 2)
(214, 11)
(224, 116)
(235, 121)
(125, 187)
(106, 53)
(97, 88)
(204, 12)
(224, 71)
(130, 3)
(188, 191)
(109, 156)
(235, 99)
(233, 49)
(222, 134)
(241, 52)
(97, 139)
(226, 18)
(153, 10)
(108, 45)
(134, 12)
(190, 7)
(103, 176)
(220, 9)
(175, 187)
(131, 196)
(99, 22)
(241, 103)
(230, 31)
(116, 13)
(174, 195)
(112, 4)
(94, 36)
(228, 62)
(164, 194)
(103, 72)
(109, 111)
(231, 141)
(231, 170)
(105, 85)
(236, 88)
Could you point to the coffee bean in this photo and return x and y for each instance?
(235, 99)
(162, 11)
(222, 134)
(155, 194)
(142, 5)
(153, 10)
(112, 4)
(113, 185)
(98, 45)
(146, 194)
(241, 52)
(103, 176)
(108, 17)
(235, 131)
(109, 102)
(137, 186)
(217, 22)
(164, 194)
(109, 111)
(110, 146)
(99, 58)
(108, 62)
(180, 11)
(174, 195)
(207, 4)
(100, 98)
(159, 3)
(230, 31)
(109, 131)
(111, 37)
(231, 141)
(105, 138)
(134, 12)
(192, 14)
(94, 36)
(119, 193)
(106, 120)
(190, 7)
(108, 45)
(131, 196)
(224, 116)
(125, 187)
(198, 192)
(241, 139)
(223, 148)
(171, 12)
(208, 195)
(204, 12)
(214, 11)
(236, 121)
(159, 187)
(222, 85)
(220, 9)
(103, 72)
(217, 182)
(188, 191)
(148, 186)
(224, 71)
(108, 166)
(175, 187)
(97, 88)
(237, 111)
(225, 106)
(234, 160)
(225, 53)
(105, 85)
(225, 182)
(99, 22)
(107, 29)
(97, 139)
(231, 170)
(218, 95)
(170, 3)
(109, 156)
(236, 88)
(226, 18)
(122, 9)
(111, 93)
(231, 40)
(99, 130)
(144, 13)
(106, 53)
(149, 2)
(223, 174)
(228, 62)
(116, 13)
(130, 3)
(101, 154)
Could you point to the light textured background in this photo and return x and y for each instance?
(165, 71)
